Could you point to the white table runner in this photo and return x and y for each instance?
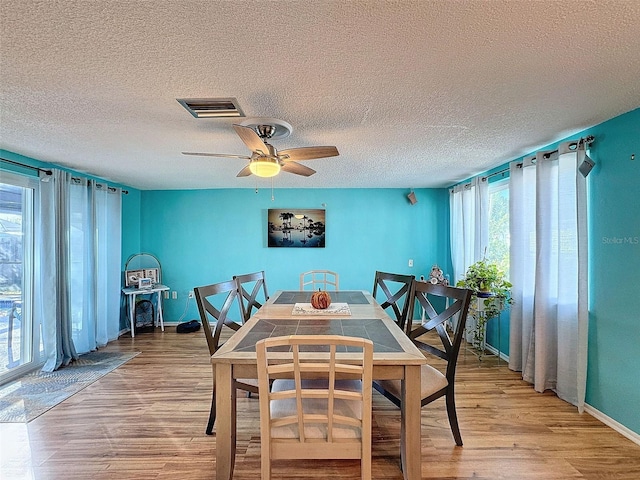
(333, 309)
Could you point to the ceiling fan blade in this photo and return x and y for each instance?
(307, 153)
(216, 155)
(245, 172)
(251, 139)
(297, 168)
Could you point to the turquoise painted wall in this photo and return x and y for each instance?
(131, 222)
(613, 382)
(207, 236)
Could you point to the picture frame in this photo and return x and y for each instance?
(151, 273)
(131, 277)
(296, 228)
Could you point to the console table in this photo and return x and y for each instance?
(130, 296)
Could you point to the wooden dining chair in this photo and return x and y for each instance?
(440, 303)
(252, 289)
(213, 318)
(324, 412)
(392, 290)
(319, 279)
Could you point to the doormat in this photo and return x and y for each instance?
(31, 395)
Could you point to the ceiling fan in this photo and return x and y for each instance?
(265, 160)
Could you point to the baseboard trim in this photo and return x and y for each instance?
(610, 422)
(494, 351)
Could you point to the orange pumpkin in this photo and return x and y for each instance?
(320, 300)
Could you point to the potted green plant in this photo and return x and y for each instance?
(487, 282)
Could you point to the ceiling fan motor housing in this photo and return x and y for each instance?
(265, 131)
(271, 151)
(267, 127)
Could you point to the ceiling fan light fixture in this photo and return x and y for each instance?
(265, 167)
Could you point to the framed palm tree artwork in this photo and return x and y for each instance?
(291, 227)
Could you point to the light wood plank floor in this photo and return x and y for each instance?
(146, 420)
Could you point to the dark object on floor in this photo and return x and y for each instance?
(144, 317)
(188, 327)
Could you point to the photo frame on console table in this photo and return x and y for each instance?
(295, 227)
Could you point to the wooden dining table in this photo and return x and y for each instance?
(355, 313)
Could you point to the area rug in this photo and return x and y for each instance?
(30, 396)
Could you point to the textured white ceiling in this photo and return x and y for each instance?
(413, 93)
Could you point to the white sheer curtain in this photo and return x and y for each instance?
(51, 300)
(548, 334)
(77, 266)
(95, 263)
(469, 222)
(109, 260)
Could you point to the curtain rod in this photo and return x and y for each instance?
(49, 172)
(572, 146)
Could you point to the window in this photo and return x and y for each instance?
(20, 343)
(498, 248)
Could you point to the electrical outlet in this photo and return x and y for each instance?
(411, 262)
(190, 293)
(166, 294)
(174, 295)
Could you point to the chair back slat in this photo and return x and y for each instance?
(319, 279)
(453, 315)
(213, 318)
(397, 290)
(252, 292)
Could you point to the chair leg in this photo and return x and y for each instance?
(365, 460)
(265, 461)
(212, 415)
(453, 417)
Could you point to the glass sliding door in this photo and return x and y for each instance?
(20, 342)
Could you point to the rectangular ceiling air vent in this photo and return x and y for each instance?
(212, 107)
